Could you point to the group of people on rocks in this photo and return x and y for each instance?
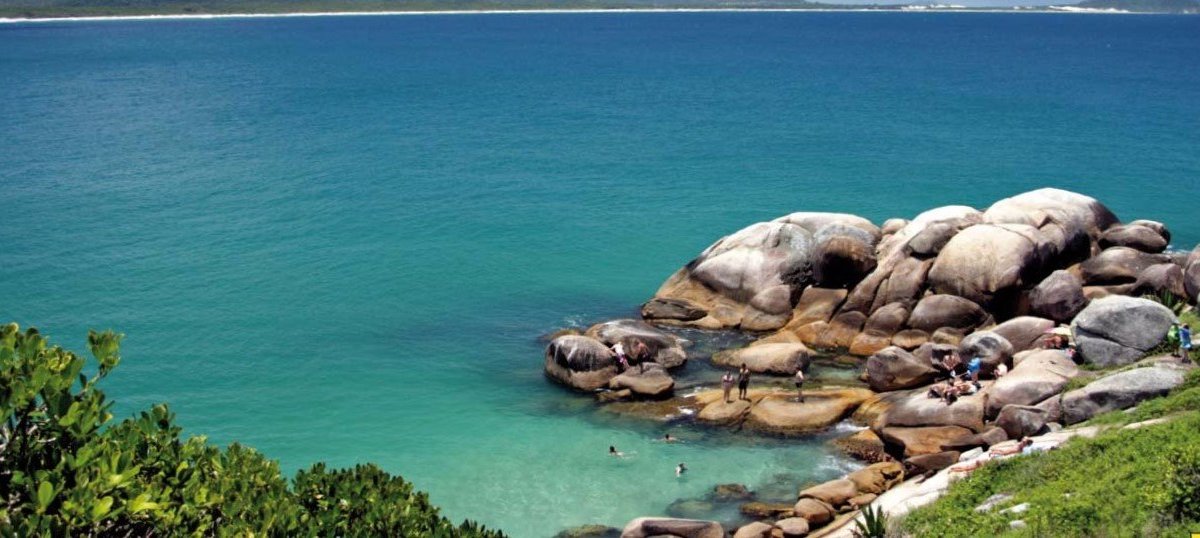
(638, 351)
(1180, 337)
(961, 379)
(743, 384)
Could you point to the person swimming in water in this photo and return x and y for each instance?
(680, 469)
(668, 439)
(612, 451)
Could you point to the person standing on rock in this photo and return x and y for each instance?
(1173, 339)
(1185, 341)
(799, 379)
(973, 369)
(727, 385)
(743, 382)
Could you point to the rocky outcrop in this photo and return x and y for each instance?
(1040, 375)
(580, 362)
(877, 478)
(815, 511)
(1058, 297)
(774, 359)
(646, 527)
(665, 348)
(893, 368)
(1118, 266)
(918, 409)
(1161, 278)
(751, 279)
(1118, 330)
(1120, 390)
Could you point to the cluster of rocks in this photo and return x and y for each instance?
(988, 284)
(814, 508)
(831, 280)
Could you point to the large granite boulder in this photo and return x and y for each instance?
(1120, 390)
(651, 381)
(751, 279)
(1118, 330)
(1159, 279)
(893, 368)
(782, 414)
(1070, 221)
(774, 359)
(989, 346)
(665, 348)
(646, 527)
(879, 328)
(1058, 297)
(989, 263)
(1024, 332)
(1117, 266)
(1040, 375)
(936, 311)
(815, 305)
(1136, 236)
(815, 511)
(918, 409)
(580, 362)
(1019, 421)
(844, 255)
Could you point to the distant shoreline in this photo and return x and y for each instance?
(896, 9)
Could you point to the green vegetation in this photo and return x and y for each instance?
(874, 524)
(1139, 482)
(65, 471)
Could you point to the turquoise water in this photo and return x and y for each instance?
(340, 238)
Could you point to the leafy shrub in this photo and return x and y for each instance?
(874, 524)
(62, 473)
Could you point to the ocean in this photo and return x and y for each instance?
(341, 238)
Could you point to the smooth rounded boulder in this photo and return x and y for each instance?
(990, 347)
(843, 256)
(1135, 236)
(1058, 297)
(988, 262)
(893, 368)
(651, 381)
(936, 311)
(580, 362)
(1020, 421)
(1191, 275)
(773, 359)
(1118, 330)
(1120, 390)
(1024, 332)
(1118, 265)
(665, 348)
(1040, 375)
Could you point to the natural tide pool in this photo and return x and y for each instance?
(340, 239)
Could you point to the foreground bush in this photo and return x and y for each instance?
(62, 473)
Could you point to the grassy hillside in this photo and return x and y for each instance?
(1139, 482)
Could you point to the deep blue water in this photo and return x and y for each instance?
(339, 238)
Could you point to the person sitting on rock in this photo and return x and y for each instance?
(938, 390)
(973, 369)
(622, 359)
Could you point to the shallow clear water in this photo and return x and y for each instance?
(340, 238)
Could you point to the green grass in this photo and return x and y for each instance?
(1143, 482)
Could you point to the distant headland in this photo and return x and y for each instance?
(11, 10)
